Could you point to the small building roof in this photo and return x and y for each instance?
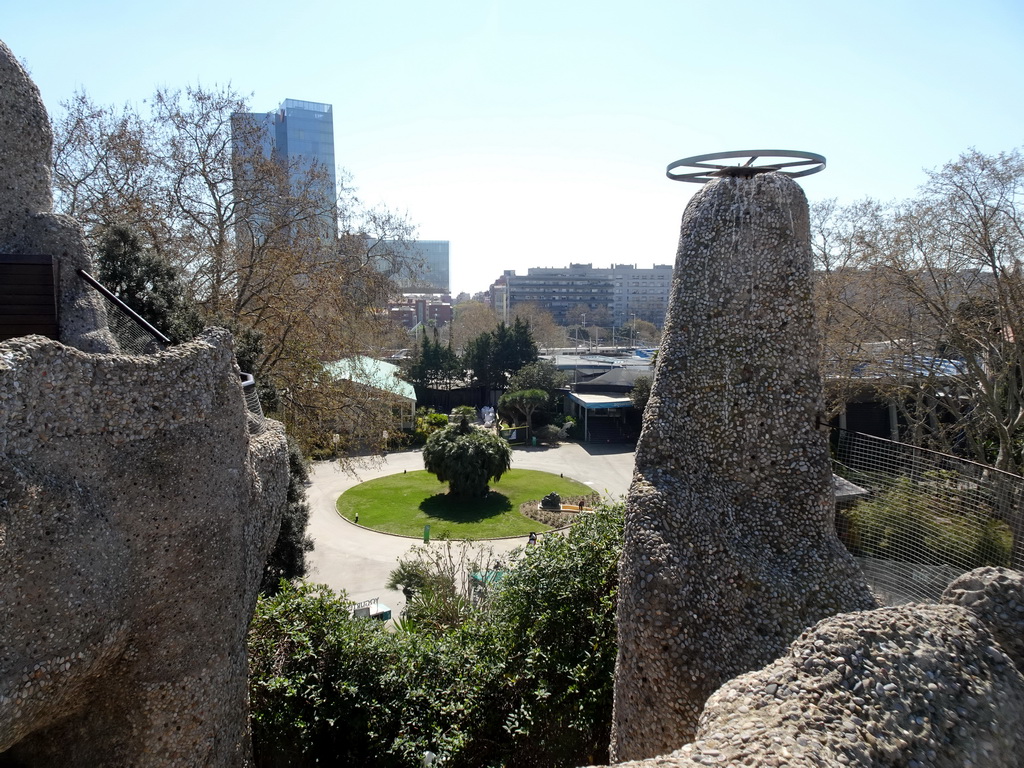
(372, 373)
(593, 402)
(617, 377)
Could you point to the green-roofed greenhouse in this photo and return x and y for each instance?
(382, 376)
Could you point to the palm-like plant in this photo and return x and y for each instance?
(466, 458)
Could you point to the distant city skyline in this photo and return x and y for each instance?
(532, 134)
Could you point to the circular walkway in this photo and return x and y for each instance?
(358, 560)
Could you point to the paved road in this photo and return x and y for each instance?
(358, 560)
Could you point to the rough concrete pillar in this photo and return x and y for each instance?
(27, 224)
(730, 551)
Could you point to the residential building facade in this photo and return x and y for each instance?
(624, 290)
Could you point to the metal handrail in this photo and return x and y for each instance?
(258, 422)
(252, 403)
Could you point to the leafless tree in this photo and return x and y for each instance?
(262, 247)
(925, 299)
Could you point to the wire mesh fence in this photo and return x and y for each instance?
(132, 338)
(916, 519)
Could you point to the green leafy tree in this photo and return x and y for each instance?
(640, 394)
(519, 350)
(555, 615)
(436, 366)
(466, 458)
(539, 374)
(479, 359)
(495, 355)
(144, 281)
(525, 401)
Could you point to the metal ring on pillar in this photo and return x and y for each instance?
(794, 165)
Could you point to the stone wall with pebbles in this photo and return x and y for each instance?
(27, 224)
(936, 686)
(136, 513)
(730, 551)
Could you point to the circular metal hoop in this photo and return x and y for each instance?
(797, 161)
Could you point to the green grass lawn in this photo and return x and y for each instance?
(404, 503)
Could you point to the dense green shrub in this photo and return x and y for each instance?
(930, 522)
(555, 615)
(287, 559)
(329, 689)
(428, 421)
(525, 682)
(466, 458)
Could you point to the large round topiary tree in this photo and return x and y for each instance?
(466, 458)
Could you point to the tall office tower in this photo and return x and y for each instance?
(431, 257)
(427, 263)
(300, 135)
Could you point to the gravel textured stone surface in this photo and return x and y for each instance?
(915, 685)
(28, 226)
(730, 551)
(136, 514)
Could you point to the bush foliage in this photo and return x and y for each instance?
(466, 458)
(931, 523)
(525, 680)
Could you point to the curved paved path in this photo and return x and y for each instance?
(358, 560)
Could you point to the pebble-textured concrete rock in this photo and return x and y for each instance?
(136, 513)
(730, 551)
(997, 596)
(27, 224)
(921, 686)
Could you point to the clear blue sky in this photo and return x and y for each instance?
(537, 133)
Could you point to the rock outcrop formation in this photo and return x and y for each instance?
(27, 223)
(915, 685)
(136, 514)
(730, 550)
(135, 518)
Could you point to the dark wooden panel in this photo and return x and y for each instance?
(25, 258)
(25, 269)
(23, 289)
(28, 296)
(14, 331)
(38, 308)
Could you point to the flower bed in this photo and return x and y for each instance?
(558, 518)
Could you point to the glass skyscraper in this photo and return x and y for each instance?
(426, 263)
(304, 134)
(299, 133)
(431, 260)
